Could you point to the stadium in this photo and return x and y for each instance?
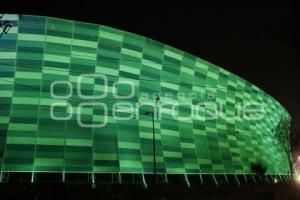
(101, 104)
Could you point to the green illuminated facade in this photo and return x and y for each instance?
(38, 51)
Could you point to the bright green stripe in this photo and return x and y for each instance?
(191, 166)
(204, 161)
(4, 120)
(22, 127)
(28, 75)
(130, 163)
(6, 93)
(170, 133)
(78, 142)
(31, 37)
(130, 69)
(85, 43)
(50, 70)
(80, 54)
(201, 65)
(56, 58)
(111, 36)
(132, 53)
(8, 55)
(152, 64)
(175, 170)
(108, 71)
(20, 140)
(188, 145)
(51, 141)
(170, 85)
(173, 54)
(187, 70)
(172, 154)
(25, 100)
(129, 145)
(48, 162)
(60, 40)
(212, 75)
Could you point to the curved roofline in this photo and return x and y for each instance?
(177, 49)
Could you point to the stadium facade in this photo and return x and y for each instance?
(69, 93)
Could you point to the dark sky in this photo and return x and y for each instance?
(259, 42)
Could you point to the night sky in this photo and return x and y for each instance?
(258, 42)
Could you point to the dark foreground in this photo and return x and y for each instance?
(266, 191)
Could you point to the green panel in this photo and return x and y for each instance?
(41, 55)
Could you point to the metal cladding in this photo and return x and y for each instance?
(73, 98)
